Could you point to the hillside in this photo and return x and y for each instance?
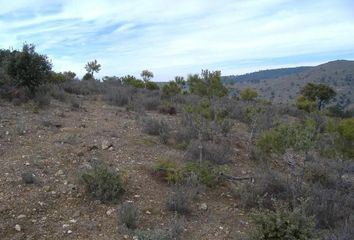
(285, 89)
(264, 75)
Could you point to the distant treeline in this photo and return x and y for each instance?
(263, 75)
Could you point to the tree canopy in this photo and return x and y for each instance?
(207, 84)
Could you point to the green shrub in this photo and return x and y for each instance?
(28, 68)
(300, 137)
(283, 224)
(152, 85)
(103, 183)
(154, 127)
(171, 89)
(168, 171)
(128, 215)
(207, 173)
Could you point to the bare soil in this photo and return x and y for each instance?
(57, 142)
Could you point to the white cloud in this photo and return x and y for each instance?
(172, 38)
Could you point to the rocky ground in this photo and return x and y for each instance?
(57, 142)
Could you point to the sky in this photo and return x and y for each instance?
(180, 37)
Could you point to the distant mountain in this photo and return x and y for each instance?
(285, 88)
(264, 74)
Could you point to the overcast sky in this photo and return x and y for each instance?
(177, 37)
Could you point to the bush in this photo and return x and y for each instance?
(42, 98)
(268, 185)
(28, 68)
(283, 225)
(173, 231)
(117, 96)
(103, 183)
(153, 126)
(180, 200)
(152, 85)
(28, 177)
(128, 215)
(168, 171)
(206, 172)
(331, 207)
(212, 152)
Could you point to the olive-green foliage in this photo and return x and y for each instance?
(152, 85)
(132, 81)
(206, 172)
(169, 171)
(342, 135)
(207, 84)
(297, 136)
(283, 224)
(57, 78)
(248, 94)
(28, 68)
(103, 183)
(171, 89)
(305, 104)
(319, 93)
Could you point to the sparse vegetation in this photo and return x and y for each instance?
(128, 215)
(103, 183)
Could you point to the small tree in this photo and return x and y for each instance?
(146, 75)
(180, 82)
(319, 93)
(248, 94)
(171, 89)
(91, 68)
(208, 84)
(29, 68)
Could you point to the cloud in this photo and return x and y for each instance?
(173, 38)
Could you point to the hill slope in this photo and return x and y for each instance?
(285, 89)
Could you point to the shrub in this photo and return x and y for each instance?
(28, 68)
(181, 198)
(168, 171)
(42, 98)
(248, 94)
(212, 152)
(173, 231)
(331, 207)
(117, 96)
(153, 126)
(171, 89)
(128, 215)
(283, 224)
(103, 183)
(28, 177)
(152, 85)
(207, 173)
(268, 185)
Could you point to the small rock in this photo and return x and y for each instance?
(125, 236)
(110, 211)
(21, 216)
(148, 212)
(137, 196)
(73, 221)
(203, 207)
(66, 225)
(106, 145)
(135, 238)
(59, 173)
(18, 228)
(69, 231)
(46, 188)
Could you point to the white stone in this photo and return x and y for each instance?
(18, 228)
